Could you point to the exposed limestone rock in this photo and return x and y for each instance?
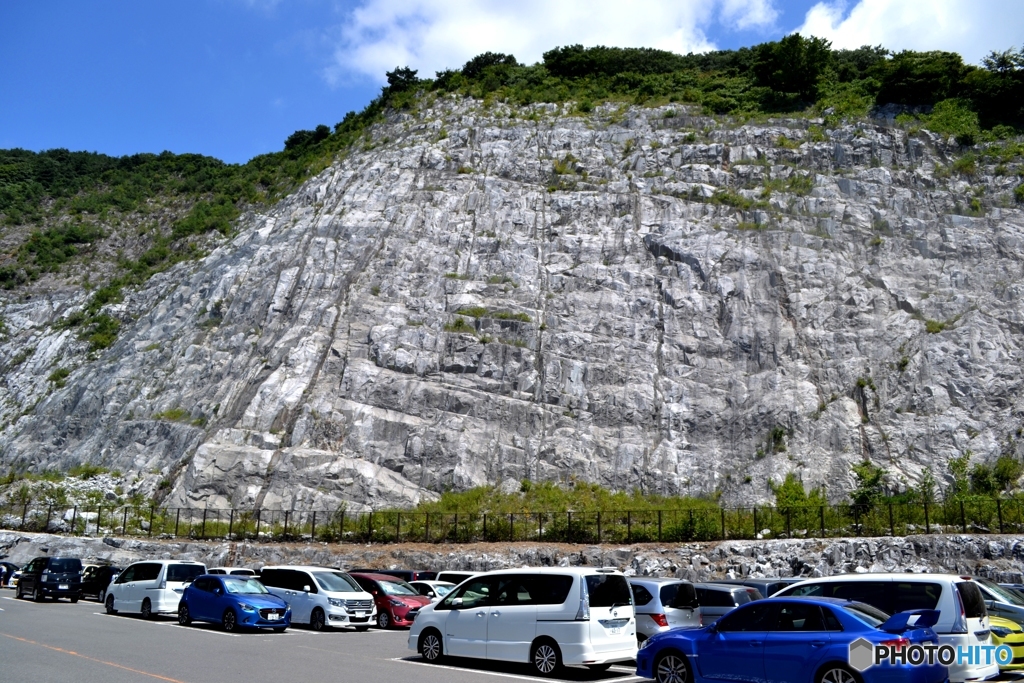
(625, 321)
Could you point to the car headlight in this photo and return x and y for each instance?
(335, 602)
(246, 608)
(396, 603)
(647, 641)
(1000, 631)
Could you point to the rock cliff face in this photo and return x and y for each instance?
(649, 299)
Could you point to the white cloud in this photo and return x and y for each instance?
(971, 27)
(431, 35)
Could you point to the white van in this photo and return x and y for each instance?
(321, 596)
(548, 617)
(963, 620)
(455, 577)
(151, 587)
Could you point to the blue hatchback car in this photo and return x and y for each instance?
(790, 640)
(234, 602)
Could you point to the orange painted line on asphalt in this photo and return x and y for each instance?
(92, 659)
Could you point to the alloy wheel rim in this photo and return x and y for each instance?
(671, 669)
(229, 621)
(545, 659)
(838, 676)
(431, 648)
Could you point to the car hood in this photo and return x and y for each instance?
(260, 600)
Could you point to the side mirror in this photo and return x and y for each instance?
(218, 590)
(457, 602)
(430, 594)
(305, 589)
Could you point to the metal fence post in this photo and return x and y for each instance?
(24, 514)
(511, 527)
(927, 526)
(152, 511)
(756, 532)
(821, 510)
(892, 527)
(963, 517)
(177, 518)
(723, 524)
(74, 518)
(99, 516)
(398, 529)
(999, 511)
(257, 532)
(789, 525)
(49, 512)
(202, 529)
(285, 533)
(312, 528)
(629, 526)
(231, 522)
(124, 522)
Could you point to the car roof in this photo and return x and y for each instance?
(575, 571)
(432, 582)
(167, 562)
(892, 576)
(304, 567)
(655, 579)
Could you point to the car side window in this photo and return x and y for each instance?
(795, 616)
(641, 596)
(128, 575)
(148, 571)
(473, 593)
(916, 595)
(813, 589)
(513, 590)
(304, 579)
(759, 616)
(832, 622)
(874, 593)
(708, 597)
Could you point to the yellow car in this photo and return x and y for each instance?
(1006, 632)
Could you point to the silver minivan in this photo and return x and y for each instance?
(663, 603)
(718, 599)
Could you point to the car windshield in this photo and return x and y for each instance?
(872, 616)
(65, 565)
(397, 588)
(336, 582)
(1002, 593)
(244, 586)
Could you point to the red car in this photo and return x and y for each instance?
(394, 598)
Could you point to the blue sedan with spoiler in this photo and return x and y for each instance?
(796, 640)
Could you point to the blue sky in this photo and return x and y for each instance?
(233, 78)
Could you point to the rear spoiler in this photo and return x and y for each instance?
(900, 622)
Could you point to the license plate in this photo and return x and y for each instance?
(62, 586)
(615, 630)
(273, 617)
(362, 614)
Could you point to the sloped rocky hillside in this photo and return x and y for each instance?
(635, 296)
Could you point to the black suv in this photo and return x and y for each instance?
(96, 579)
(56, 577)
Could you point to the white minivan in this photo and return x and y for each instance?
(547, 617)
(963, 620)
(322, 597)
(151, 587)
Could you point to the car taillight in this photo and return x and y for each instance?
(583, 614)
(700, 619)
(896, 644)
(960, 623)
(660, 619)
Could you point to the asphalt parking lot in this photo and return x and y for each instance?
(60, 641)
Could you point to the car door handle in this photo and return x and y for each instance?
(817, 643)
(756, 643)
(481, 614)
(495, 614)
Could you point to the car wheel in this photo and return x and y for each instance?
(102, 597)
(546, 658)
(431, 647)
(184, 618)
(836, 673)
(109, 604)
(147, 609)
(317, 620)
(229, 621)
(383, 620)
(599, 667)
(20, 594)
(671, 667)
(36, 595)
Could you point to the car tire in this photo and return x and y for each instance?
(431, 646)
(672, 667)
(834, 672)
(102, 596)
(383, 620)
(318, 620)
(229, 622)
(147, 609)
(20, 594)
(545, 657)
(184, 618)
(36, 595)
(109, 604)
(599, 667)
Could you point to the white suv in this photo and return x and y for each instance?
(547, 617)
(321, 596)
(963, 620)
(151, 587)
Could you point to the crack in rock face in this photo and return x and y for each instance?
(687, 307)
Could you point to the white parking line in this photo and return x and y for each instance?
(173, 624)
(495, 673)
